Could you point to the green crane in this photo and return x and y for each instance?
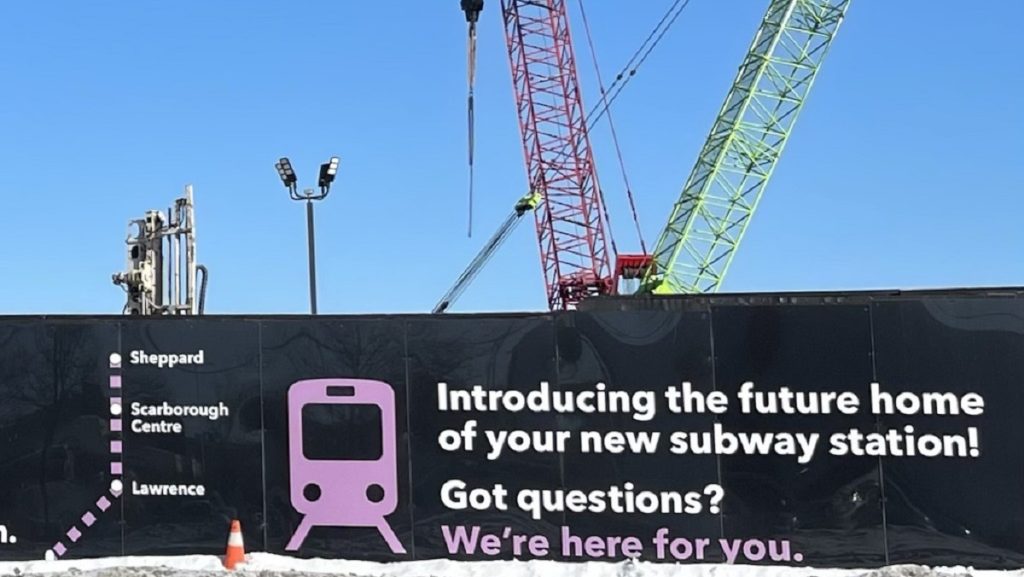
(721, 194)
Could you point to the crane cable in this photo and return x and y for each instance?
(471, 55)
(630, 69)
(622, 79)
(615, 140)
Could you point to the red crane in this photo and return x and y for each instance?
(556, 147)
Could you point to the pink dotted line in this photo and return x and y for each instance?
(116, 467)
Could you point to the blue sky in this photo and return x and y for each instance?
(903, 171)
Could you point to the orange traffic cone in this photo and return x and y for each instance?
(236, 549)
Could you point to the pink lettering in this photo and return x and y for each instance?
(596, 547)
(460, 540)
(490, 545)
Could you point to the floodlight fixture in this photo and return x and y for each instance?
(286, 172)
(328, 171)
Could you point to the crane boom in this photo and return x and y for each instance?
(721, 194)
(556, 146)
(525, 204)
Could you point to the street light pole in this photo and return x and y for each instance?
(328, 171)
(311, 235)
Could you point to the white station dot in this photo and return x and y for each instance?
(115, 359)
(50, 555)
(115, 409)
(116, 486)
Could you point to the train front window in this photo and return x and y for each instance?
(342, 432)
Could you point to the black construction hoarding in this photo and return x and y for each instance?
(830, 430)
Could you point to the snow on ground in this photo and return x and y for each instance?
(267, 565)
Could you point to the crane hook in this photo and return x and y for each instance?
(472, 8)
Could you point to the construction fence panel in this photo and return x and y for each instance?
(655, 432)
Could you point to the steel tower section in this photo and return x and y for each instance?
(721, 194)
(556, 144)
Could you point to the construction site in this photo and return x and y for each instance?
(385, 382)
(564, 201)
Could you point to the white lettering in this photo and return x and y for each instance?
(168, 360)
(456, 497)
(5, 537)
(159, 490)
(139, 426)
(166, 409)
(719, 441)
(641, 405)
(907, 403)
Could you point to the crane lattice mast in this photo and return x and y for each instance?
(556, 144)
(708, 221)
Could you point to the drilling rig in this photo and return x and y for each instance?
(162, 267)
